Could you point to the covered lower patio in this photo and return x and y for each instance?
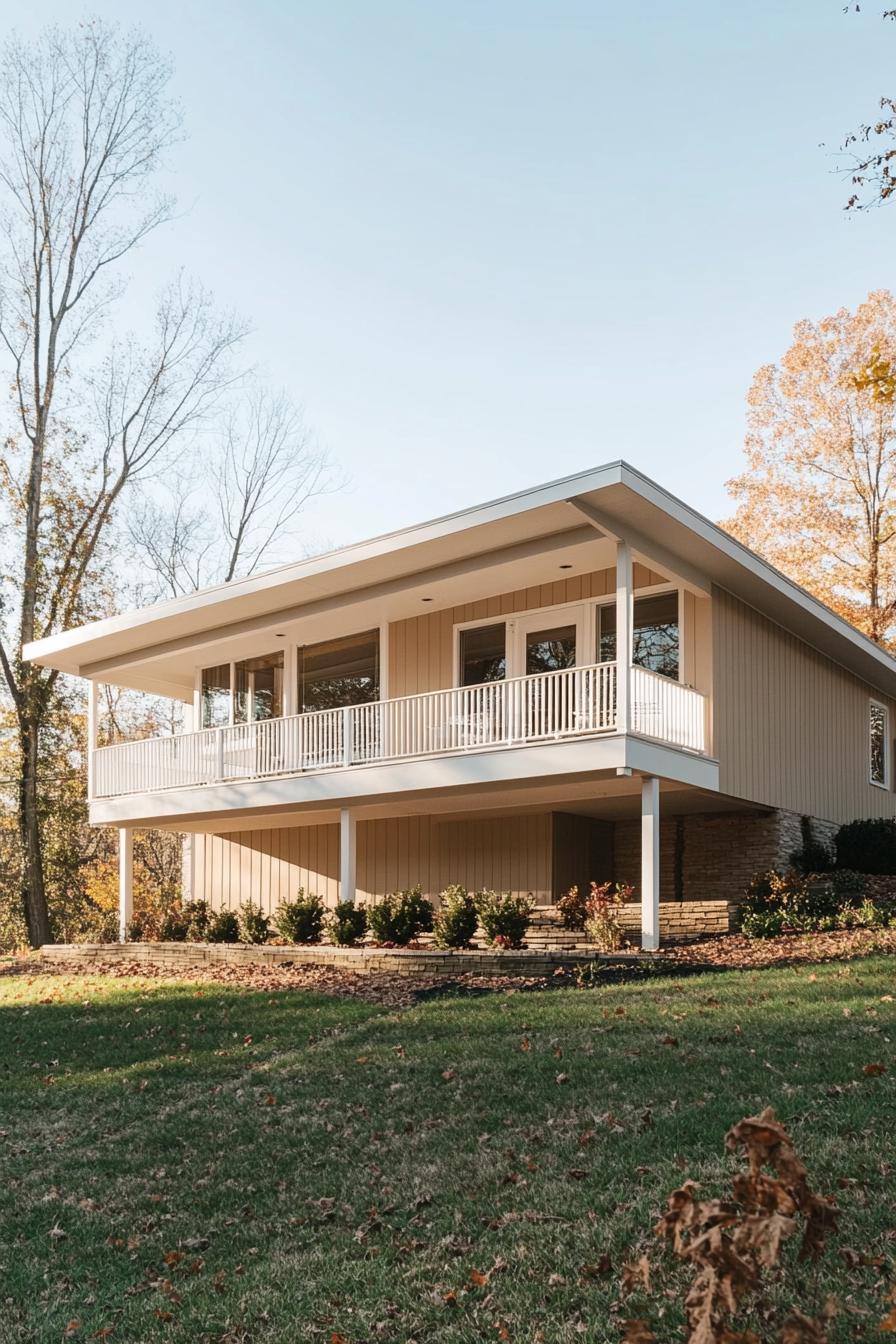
(670, 841)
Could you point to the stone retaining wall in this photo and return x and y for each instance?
(363, 960)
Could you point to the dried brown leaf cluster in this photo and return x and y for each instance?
(730, 1243)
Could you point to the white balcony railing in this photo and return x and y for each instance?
(666, 710)
(576, 702)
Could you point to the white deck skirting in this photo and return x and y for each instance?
(574, 703)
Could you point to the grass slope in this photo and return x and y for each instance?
(189, 1162)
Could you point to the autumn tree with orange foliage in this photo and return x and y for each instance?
(818, 496)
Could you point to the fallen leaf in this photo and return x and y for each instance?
(874, 1070)
(637, 1332)
(636, 1275)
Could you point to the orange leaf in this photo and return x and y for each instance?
(874, 1070)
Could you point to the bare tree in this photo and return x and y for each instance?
(873, 150)
(84, 124)
(267, 470)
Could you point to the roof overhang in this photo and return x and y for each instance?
(507, 537)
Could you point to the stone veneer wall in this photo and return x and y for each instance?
(721, 851)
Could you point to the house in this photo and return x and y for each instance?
(583, 680)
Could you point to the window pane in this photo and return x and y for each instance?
(215, 696)
(340, 672)
(606, 634)
(655, 636)
(550, 650)
(878, 730)
(483, 654)
(258, 689)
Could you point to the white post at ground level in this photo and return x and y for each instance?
(650, 863)
(125, 881)
(623, 635)
(348, 834)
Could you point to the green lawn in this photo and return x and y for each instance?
(187, 1162)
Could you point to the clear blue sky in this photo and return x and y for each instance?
(490, 243)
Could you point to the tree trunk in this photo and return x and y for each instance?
(34, 895)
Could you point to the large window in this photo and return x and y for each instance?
(216, 696)
(255, 685)
(483, 654)
(655, 634)
(550, 650)
(878, 743)
(339, 672)
(258, 688)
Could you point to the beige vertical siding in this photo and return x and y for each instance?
(790, 725)
(269, 865)
(421, 648)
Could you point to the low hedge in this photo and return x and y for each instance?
(794, 902)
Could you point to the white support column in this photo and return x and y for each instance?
(93, 692)
(188, 847)
(650, 863)
(125, 880)
(348, 835)
(623, 635)
(290, 680)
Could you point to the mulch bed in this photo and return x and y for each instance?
(724, 952)
(732, 951)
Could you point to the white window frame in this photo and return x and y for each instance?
(290, 651)
(885, 710)
(232, 664)
(653, 590)
(512, 639)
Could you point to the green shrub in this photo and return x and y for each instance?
(504, 917)
(573, 908)
(603, 924)
(400, 917)
(761, 923)
(98, 926)
(224, 927)
(301, 920)
(253, 923)
(804, 903)
(198, 916)
(174, 926)
(456, 922)
(867, 846)
(348, 924)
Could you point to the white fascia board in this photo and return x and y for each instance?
(765, 574)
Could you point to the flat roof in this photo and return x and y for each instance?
(619, 496)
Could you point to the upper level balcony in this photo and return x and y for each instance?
(573, 703)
